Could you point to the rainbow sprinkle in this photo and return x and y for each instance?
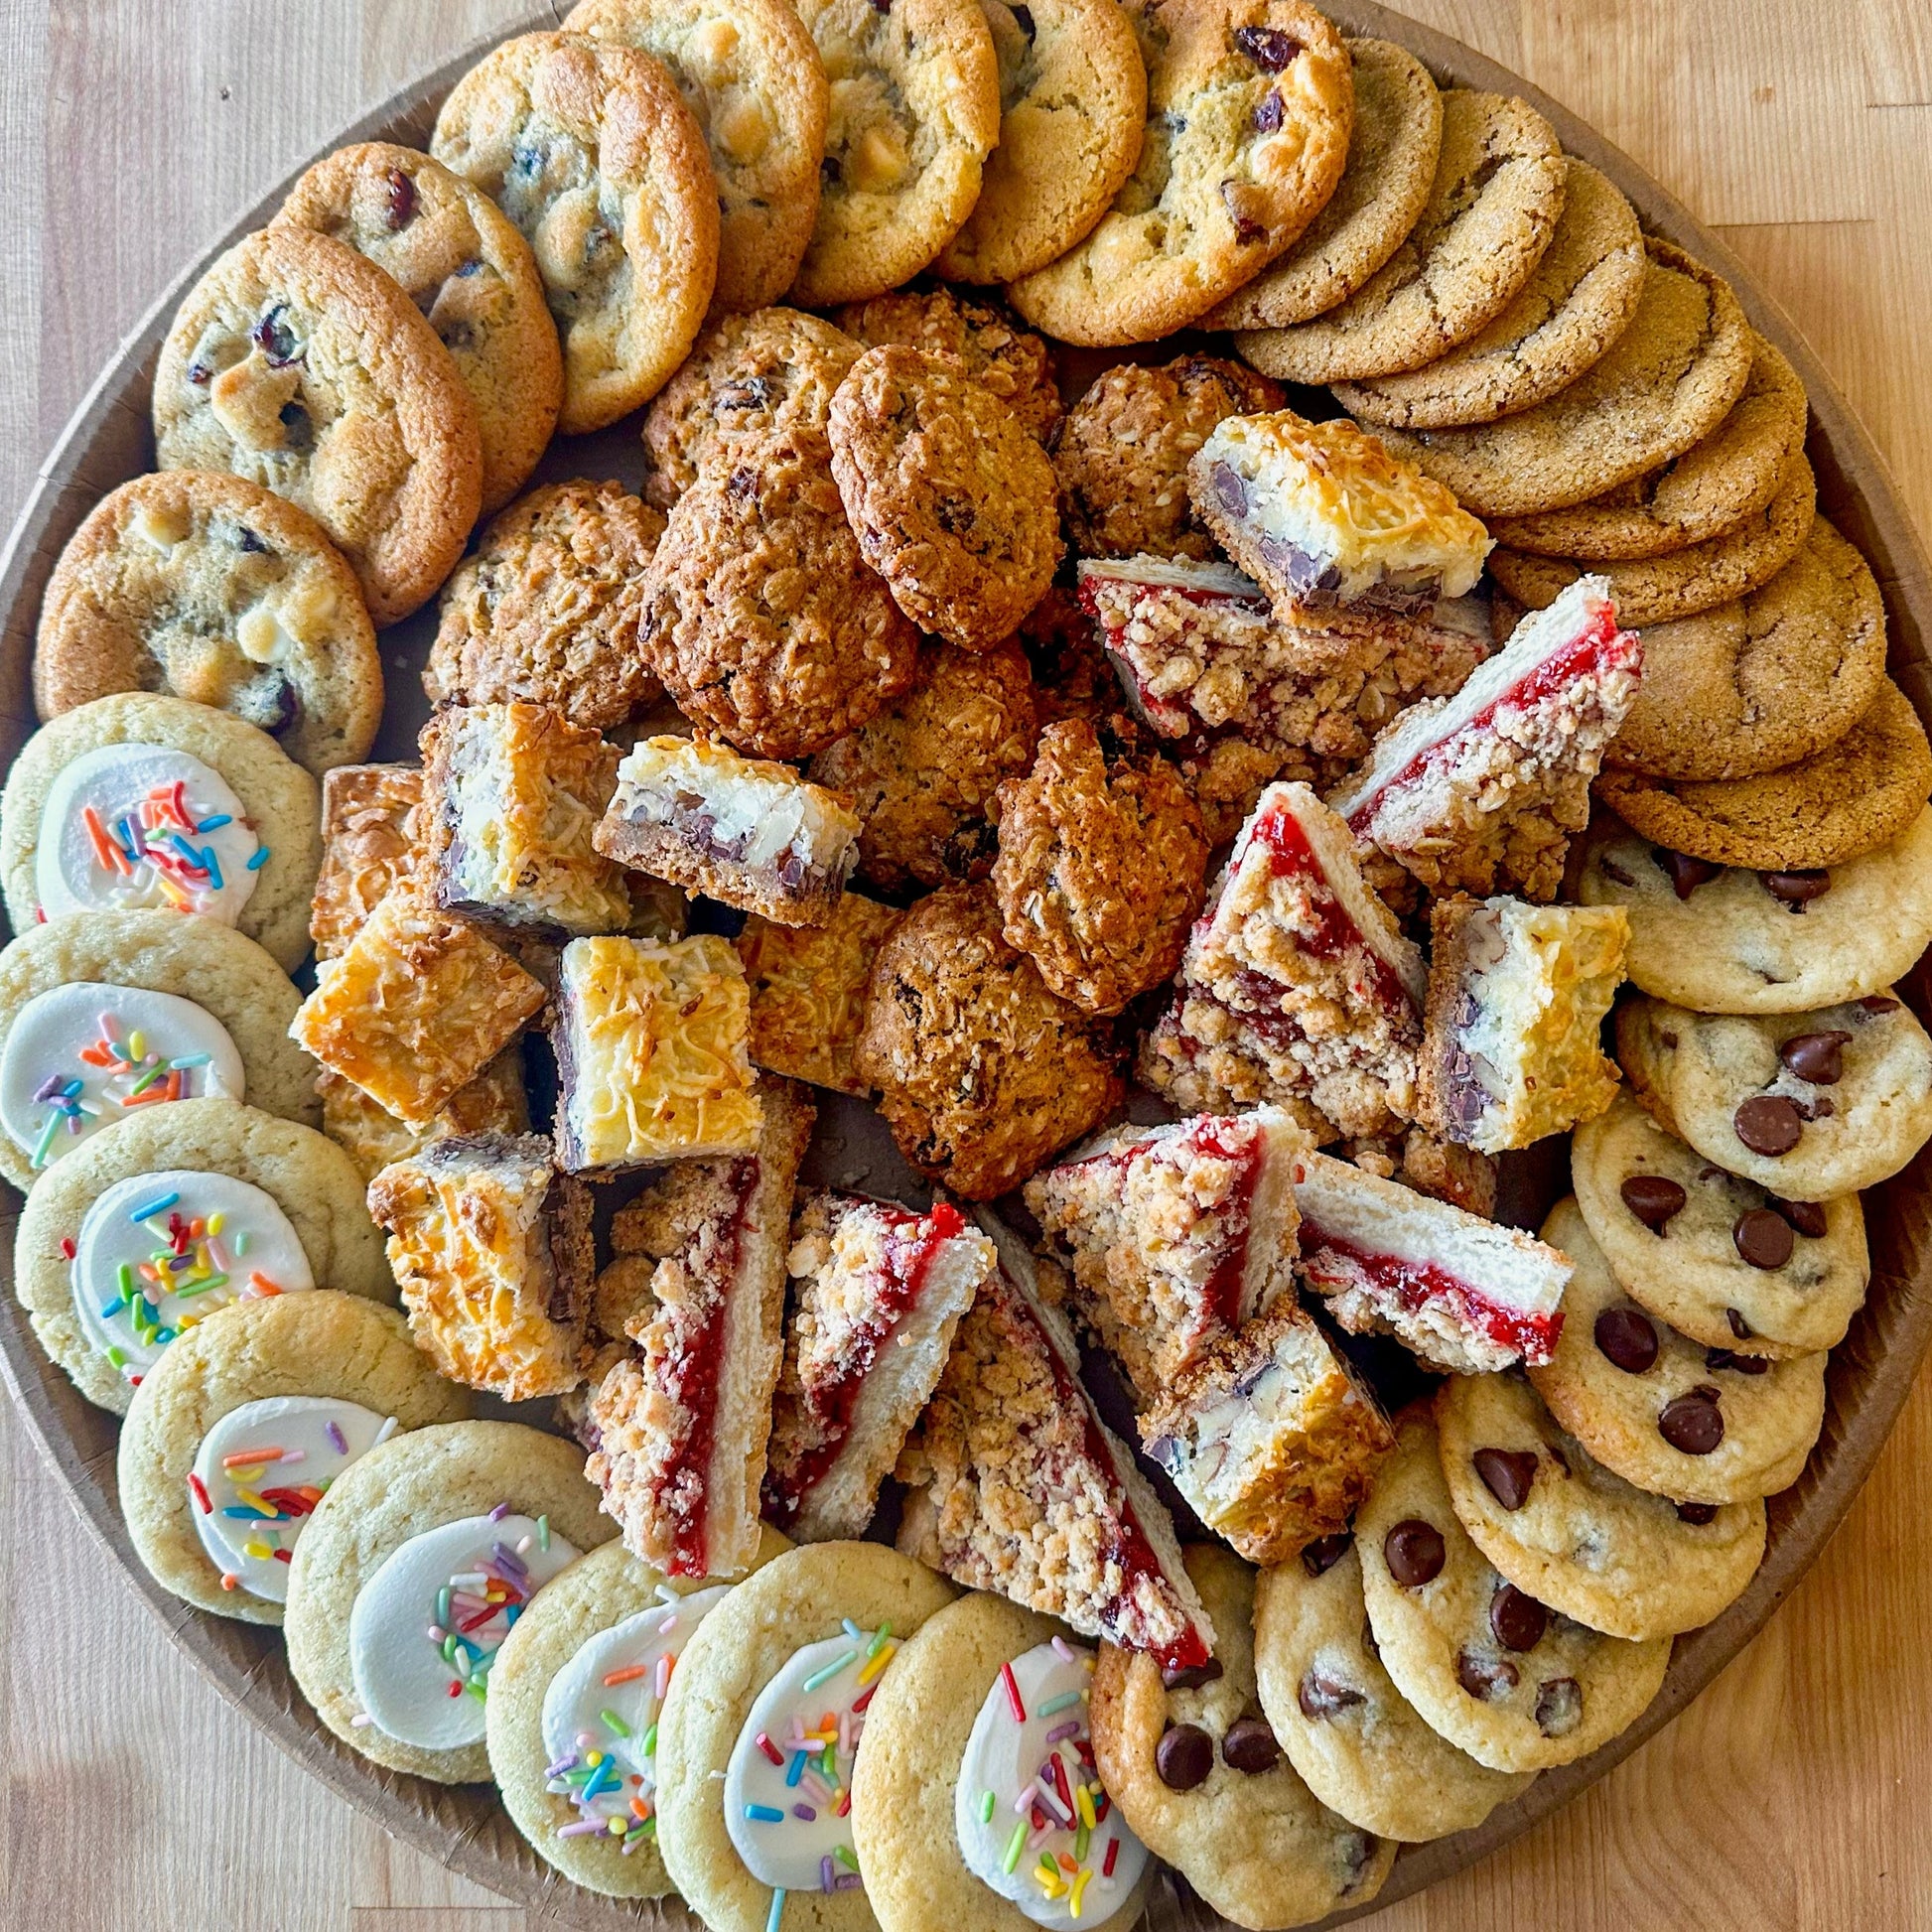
(151, 848)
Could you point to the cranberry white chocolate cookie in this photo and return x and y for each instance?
(809, 991)
(1297, 987)
(1483, 789)
(680, 1420)
(1517, 996)
(876, 1295)
(1464, 1294)
(744, 831)
(1175, 1236)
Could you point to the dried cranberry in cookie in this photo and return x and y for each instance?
(1464, 1294)
(1483, 789)
(1298, 987)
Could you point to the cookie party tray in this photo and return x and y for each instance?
(465, 1827)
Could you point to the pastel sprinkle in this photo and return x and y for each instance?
(613, 1722)
(1062, 1732)
(764, 1814)
(629, 1675)
(986, 1807)
(805, 1812)
(1062, 1650)
(1054, 1705)
(259, 859)
(777, 1910)
(846, 1857)
(831, 1670)
(156, 1206)
(336, 1439)
(1014, 1845)
(765, 1743)
(1012, 1694)
(879, 1642)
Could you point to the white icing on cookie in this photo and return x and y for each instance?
(250, 1513)
(1014, 1761)
(608, 1770)
(116, 834)
(232, 1241)
(419, 1679)
(788, 1818)
(79, 1057)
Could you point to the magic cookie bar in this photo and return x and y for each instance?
(371, 839)
(495, 1102)
(492, 1248)
(651, 1062)
(809, 991)
(745, 831)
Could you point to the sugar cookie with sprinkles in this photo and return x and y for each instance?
(241, 1428)
(147, 1231)
(575, 1696)
(768, 1703)
(416, 1566)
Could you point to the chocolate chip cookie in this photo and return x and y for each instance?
(1702, 1425)
(1250, 108)
(1492, 209)
(546, 610)
(951, 500)
(459, 257)
(587, 145)
(299, 365)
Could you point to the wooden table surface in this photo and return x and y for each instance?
(1792, 1795)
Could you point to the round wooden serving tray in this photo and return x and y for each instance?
(108, 439)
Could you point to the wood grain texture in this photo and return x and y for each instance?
(1790, 1795)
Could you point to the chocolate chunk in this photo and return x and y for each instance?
(1796, 889)
(1507, 1475)
(1653, 1199)
(1023, 18)
(1807, 1217)
(1229, 491)
(1762, 1238)
(1627, 1340)
(1730, 1359)
(1268, 48)
(275, 339)
(1267, 117)
(402, 199)
(1817, 1058)
(1324, 1553)
(1517, 1618)
(1559, 1705)
(1878, 1002)
(1250, 1747)
(1191, 1677)
(1321, 1697)
(1693, 1423)
(1184, 1756)
(1686, 874)
(1413, 1552)
(1697, 1513)
(1612, 869)
(1767, 1124)
(1739, 1325)
(294, 420)
(1485, 1678)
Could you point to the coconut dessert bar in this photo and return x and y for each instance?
(495, 1102)
(371, 839)
(1511, 1032)
(880, 1292)
(745, 831)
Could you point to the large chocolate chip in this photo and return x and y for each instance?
(1324, 1553)
(1517, 1618)
(1763, 1238)
(1692, 1424)
(1612, 869)
(1739, 1325)
(1627, 1340)
(1687, 873)
(274, 338)
(1817, 1058)
(1184, 1756)
(1807, 1217)
(1322, 1697)
(1413, 1552)
(1718, 1358)
(1486, 1678)
(1768, 1124)
(1796, 889)
(1697, 1513)
(1506, 1474)
(1559, 1705)
(1653, 1199)
(1229, 491)
(1878, 1002)
(1023, 18)
(1250, 1747)
(1191, 1677)
(1267, 47)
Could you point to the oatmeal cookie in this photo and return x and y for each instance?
(211, 588)
(460, 258)
(1250, 108)
(546, 610)
(759, 614)
(915, 112)
(1101, 869)
(746, 378)
(983, 1072)
(299, 365)
(751, 76)
(1123, 451)
(588, 148)
(951, 500)
(924, 775)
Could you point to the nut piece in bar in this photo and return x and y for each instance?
(495, 1102)
(809, 991)
(748, 832)
(372, 839)
(651, 1063)
(492, 1250)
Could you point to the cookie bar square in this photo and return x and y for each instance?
(372, 839)
(1016, 1485)
(492, 1250)
(511, 794)
(1481, 791)
(416, 1006)
(879, 1293)
(682, 1420)
(1175, 1235)
(1271, 1435)
(1511, 1030)
(495, 1102)
(745, 831)
(651, 1053)
(1465, 1295)
(809, 991)
(1298, 988)
(1324, 517)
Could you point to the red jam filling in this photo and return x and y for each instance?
(1411, 1284)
